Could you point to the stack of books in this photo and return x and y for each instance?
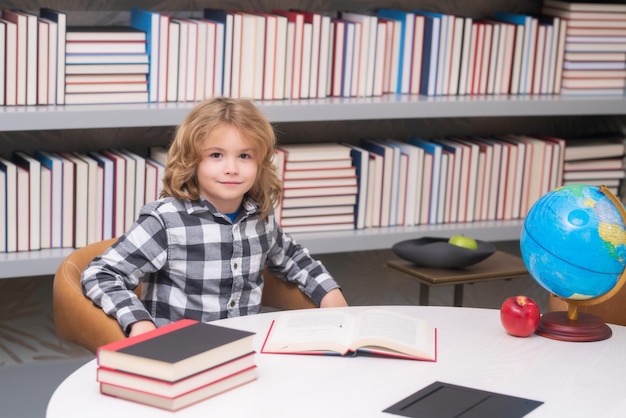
(105, 64)
(595, 46)
(319, 187)
(597, 160)
(177, 365)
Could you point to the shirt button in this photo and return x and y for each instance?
(235, 266)
(232, 303)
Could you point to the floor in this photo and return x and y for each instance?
(34, 361)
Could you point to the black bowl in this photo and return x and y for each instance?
(438, 253)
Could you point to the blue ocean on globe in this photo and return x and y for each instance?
(573, 242)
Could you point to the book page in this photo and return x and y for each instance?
(320, 330)
(381, 329)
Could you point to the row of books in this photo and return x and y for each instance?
(597, 162)
(287, 54)
(594, 61)
(177, 365)
(71, 199)
(440, 180)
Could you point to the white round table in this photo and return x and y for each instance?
(572, 379)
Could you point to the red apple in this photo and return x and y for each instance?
(520, 315)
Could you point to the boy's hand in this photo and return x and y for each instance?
(140, 327)
(334, 298)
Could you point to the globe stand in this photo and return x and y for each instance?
(582, 326)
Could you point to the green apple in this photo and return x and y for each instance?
(463, 241)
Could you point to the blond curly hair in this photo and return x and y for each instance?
(185, 152)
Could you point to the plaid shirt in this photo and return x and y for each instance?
(195, 263)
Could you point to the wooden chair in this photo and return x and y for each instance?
(80, 321)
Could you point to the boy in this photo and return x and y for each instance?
(201, 249)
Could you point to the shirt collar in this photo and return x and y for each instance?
(202, 205)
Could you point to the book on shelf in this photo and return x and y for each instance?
(68, 185)
(599, 17)
(86, 47)
(226, 22)
(444, 56)
(294, 64)
(32, 166)
(9, 66)
(23, 217)
(461, 84)
(60, 18)
(176, 403)
(387, 55)
(320, 173)
(118, 191)
(407, 27)
(177, 350)
(430, 54)
(602, 145)
(106, 68)
(108, 186)
(179, 387)
(367, 59)
(327, 200)
(594, 74)
(527, 62)
(588, 83)
(3, 212)
(93, 198)
(593, 175)
(387, 154)
(431, 193)
(372, 331)
(103, 33)
(595, 164)
(55, 165)
(150, 23)
(586, 6)
(106, 87)
(317, 211)
(565, 91)
(105, 98)
(320, 191)
(126, 176)
(415, 168)
(315, 152)
(9, 170)
(43, 61)
(21, 25)
(81, 191)
(93, 58)
(319, 220)
(46, 209)
(320, 182)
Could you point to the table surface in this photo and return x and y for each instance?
(572, 379)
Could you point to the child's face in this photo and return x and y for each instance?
(228, 169)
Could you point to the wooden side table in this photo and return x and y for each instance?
(498, 266)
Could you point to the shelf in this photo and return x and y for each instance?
(24, 118)
(45, 262)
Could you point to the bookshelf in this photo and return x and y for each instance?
(312, 110)
(35, 126)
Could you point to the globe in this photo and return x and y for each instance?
(573, 242)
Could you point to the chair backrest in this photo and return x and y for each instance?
(612, 311)
(80, 321)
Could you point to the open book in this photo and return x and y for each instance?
(336, 331)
